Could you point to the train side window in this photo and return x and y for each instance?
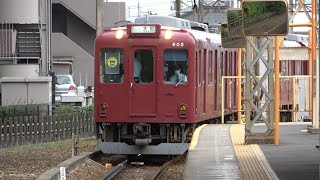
(112, 66)
(220, 68)
(199, 68)
(210, 67)
(175, 66)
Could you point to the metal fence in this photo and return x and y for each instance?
(38, 129)
(294, 96)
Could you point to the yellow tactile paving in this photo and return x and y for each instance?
(195, 137)
(252, 162)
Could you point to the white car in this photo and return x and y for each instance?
(64, 86)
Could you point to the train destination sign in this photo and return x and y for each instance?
(143, 29)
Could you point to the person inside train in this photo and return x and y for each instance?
(178, 77)
(137, 68)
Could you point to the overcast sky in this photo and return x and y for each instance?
(162, 7)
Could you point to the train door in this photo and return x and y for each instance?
(143, 90)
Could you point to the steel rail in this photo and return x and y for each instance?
(115, 171)
(166, 165)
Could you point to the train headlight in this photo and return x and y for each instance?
(119, 34)
(103, 109)
(104, 106)
(183, 107)
(168, 34)
(183, 110)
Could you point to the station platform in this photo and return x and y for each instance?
(218, 151)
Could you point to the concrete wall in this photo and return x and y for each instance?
(62, 68)
(19, 70)
(72, 26)
(114, 12)
(74, 33)
(59, 18)
(19, 11)
(82, 61)
(22, 91)
(81, 33)
(86, 11)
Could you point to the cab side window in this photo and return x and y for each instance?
(112, 66)
(175, 66)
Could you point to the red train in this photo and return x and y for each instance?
(155, 84)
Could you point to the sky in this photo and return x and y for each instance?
(162, 7)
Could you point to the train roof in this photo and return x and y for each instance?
(164, 21)
(198, 35)
(172, 22)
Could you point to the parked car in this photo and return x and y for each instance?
(64, 86)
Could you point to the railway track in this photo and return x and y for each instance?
(152, 169)
(167, 165)
(115, 171)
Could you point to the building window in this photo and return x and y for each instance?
(112, 66)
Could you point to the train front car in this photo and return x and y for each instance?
(145, 89)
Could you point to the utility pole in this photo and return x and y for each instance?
(138, 9)
(200, 13)
(195, 11)
(99, 17)
(178, 8)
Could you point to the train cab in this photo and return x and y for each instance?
(144, 83)
(144, 75)
(147, 90)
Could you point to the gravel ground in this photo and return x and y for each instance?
(86, 171)
(30, 161)
(175, 172)
(132, 172)
(137, 172)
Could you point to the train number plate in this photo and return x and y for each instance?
(177, 44)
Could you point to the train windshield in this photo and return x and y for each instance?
(175, 70)
(112, 66)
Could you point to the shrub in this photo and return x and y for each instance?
(4, 112)
(89, 108)
(64, 109)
